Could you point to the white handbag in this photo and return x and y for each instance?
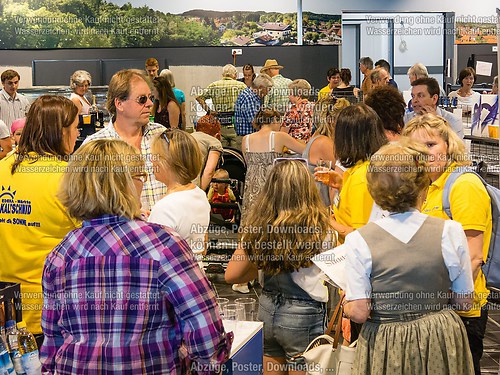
(324, 355)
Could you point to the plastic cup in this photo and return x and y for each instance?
(249, 308)
(233, 314)
(221, 303)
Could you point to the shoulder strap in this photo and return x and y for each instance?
(271, 142)
(449, 184)
(247, 143)
(307, 150)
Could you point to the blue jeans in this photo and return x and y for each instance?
(290, 325)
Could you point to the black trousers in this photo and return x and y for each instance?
(476, 328)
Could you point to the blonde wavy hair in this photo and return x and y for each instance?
(437, 126)
(181, 154)
(325, 114)
(286, 227)
(99, 180)
(397, 175)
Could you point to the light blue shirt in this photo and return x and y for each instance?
(454, 121)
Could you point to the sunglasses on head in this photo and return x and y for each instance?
(164, 135)
(143, 99)
(284, 160)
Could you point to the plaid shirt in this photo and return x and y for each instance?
(246, 107)
(122, 296)
(299, 119)
(153, 190)
(278, 96)
(223, 93)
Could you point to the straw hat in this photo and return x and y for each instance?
(270, 64)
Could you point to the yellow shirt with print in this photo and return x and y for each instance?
(355, 203)
(470, 205)
(32, 223)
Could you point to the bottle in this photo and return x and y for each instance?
(6, 366)
(29, 350)
(94, 112)
(11, 334)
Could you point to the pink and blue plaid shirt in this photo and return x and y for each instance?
(121, 296)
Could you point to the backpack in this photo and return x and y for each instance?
(491, 268)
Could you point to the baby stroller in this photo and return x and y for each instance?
(223, 234)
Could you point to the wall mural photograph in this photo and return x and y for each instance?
(49, 24)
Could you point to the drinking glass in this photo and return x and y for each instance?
(249, 308)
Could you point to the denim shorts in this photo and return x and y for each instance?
(290, 325)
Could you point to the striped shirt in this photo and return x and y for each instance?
(223, 93)
(12, 109)
(122, 296)
(153, 190)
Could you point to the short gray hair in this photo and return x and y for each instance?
(419, 70)
(366, 61)
(229, 70)
(79, 76)
(263, 81)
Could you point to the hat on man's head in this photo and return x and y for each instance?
(270, 64)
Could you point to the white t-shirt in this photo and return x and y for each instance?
(403, 227)
(187, 212)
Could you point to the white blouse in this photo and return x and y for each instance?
(404, 226)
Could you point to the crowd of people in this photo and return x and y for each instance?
(124, 220)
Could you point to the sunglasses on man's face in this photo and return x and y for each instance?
(143, 99)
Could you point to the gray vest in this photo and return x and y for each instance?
(408, 280)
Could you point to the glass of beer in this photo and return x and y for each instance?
(324, 166)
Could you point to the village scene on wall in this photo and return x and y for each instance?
(46, 24)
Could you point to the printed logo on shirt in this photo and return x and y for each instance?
(11, 206)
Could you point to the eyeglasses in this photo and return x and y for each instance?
(143, 177)
(78, 84)
(143, 99)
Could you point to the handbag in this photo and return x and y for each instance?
(324, 355)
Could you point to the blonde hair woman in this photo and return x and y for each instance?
(125, 292)
(470, 205)
(177, 161)
(294, 225)
(399, 272)
(298, 120)
(321, 145)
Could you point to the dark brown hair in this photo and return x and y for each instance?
(43, 132)
(165, 93)
(358, 134)
(389, 105)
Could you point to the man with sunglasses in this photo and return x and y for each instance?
(129, 102)
(12, 104)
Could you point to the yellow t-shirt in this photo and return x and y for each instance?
(32, 223)
(323, 93)
(470, 205)
(355, 203)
